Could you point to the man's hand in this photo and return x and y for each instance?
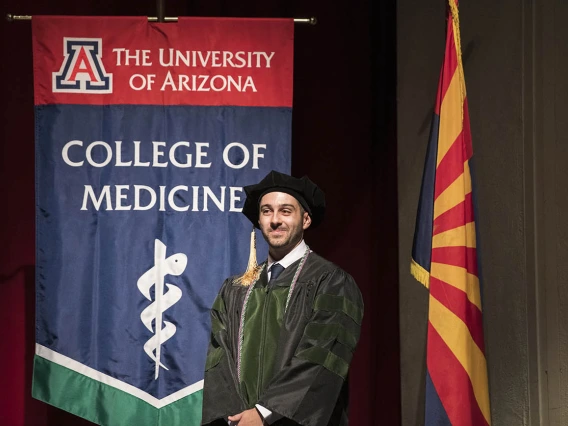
(247, 418)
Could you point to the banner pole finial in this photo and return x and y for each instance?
(161, 10)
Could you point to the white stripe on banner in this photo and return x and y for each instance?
(73, 365)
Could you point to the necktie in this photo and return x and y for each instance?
(275, 270)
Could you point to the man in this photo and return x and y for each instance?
(282, 342)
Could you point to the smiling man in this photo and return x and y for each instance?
(283, 337)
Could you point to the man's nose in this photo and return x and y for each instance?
(275, 220)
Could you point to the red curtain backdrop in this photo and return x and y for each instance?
(344, 139)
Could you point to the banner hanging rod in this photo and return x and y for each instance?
(11, 18)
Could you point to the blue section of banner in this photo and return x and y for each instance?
(104, 205)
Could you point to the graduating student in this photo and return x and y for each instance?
(283, 334)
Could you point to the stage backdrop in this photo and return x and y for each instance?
(145, 135)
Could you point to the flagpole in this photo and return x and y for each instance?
(12, 18)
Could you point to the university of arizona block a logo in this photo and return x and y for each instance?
(82, 70)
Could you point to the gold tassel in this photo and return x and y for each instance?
(421, 274)
(253, 269)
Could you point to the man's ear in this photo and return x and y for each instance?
(307, 221)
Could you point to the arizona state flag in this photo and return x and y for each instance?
(444, 256)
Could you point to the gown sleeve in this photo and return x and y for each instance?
(307, 390)
(220, 396)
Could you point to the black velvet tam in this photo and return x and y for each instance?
(310, 197)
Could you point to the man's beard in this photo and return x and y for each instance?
(289, 238)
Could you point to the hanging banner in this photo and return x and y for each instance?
(145, 135)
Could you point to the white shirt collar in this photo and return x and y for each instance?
(291, 257)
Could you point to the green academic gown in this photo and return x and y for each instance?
(293, 361)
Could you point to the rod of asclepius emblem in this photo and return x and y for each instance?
(155, 276)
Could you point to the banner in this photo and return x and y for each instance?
(145, 135)
(444, 255)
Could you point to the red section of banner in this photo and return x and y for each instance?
(196, 61)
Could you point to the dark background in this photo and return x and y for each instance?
(344, 138)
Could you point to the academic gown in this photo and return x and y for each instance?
(293, 361)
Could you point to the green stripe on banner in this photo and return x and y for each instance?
(105, 405)
(186, 411)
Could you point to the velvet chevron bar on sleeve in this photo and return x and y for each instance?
(444, 256)
(145, 135)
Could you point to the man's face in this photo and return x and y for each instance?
(282, 221)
